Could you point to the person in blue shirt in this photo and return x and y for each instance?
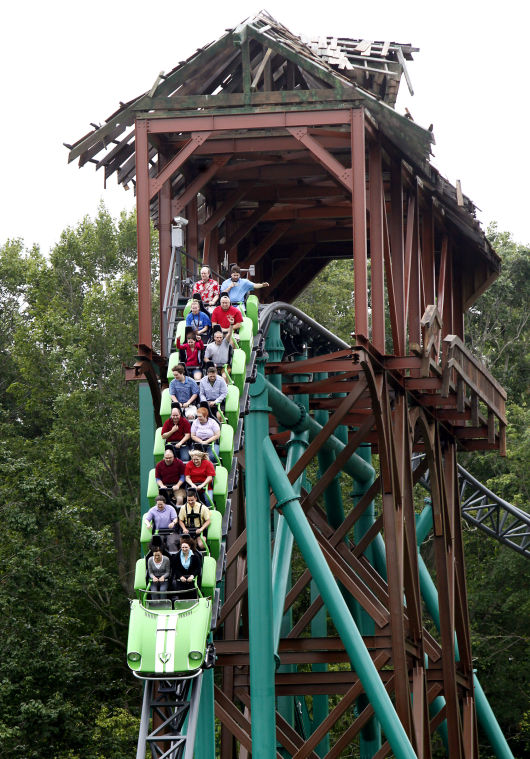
(184, 390)
(199, 322)
(238, 288)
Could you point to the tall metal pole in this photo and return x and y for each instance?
(336, 605)
(259, 575)
(370, 740)
(205, 734)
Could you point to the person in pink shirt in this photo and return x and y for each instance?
(192, 351)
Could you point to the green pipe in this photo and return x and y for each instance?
(319, 629)
(332, 494)
(147, 439)
(285, 704)
(424, 521)
(283, 539)
(205, 736)
(336, 605)
(370, 738)
(262, 696)
(275, 350)
(293, 416)
(283, 543)
(489, 723)
(485, 714)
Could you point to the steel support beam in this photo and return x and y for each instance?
(259, 576)
(344, 623)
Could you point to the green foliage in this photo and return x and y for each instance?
(497, 325)
(329, 299)
(69, 496)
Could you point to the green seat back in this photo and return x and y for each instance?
(246, 336)
(239, 363)
(226, 446)
(159, 446)
(152, 488)
(165, 404)
(187, 309)
(173, 360)
(232, 406)
(252, 311)
(181, 331)
(139, 575)
(220, 488)
(145, 536)
(214, 533)
(209, 567)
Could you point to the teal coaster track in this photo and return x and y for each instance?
(177, 719)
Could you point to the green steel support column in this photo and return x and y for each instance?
(293, 416)
(332, 494)
(424, 521)
(275, 350)
(489, 723)
(370, 740)
(319, 629)
(423, 527)
(336, 605)
(283, 542)
(281, 557)
(205, 736)
(485, 715)
(259, 575)
(335, 516)
(147, 439)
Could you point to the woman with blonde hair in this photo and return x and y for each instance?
(204, 431)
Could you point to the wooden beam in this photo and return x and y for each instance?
(179, 204)
(341, 173)
(195, 141)
(257, 253)
(358, 155)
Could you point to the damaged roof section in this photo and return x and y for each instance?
(323, 71)
(261, 67)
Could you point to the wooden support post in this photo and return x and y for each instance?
(164, 245)
(414, 288)
(377, 200)
(397, 252)
(359, 222)
(143, 233)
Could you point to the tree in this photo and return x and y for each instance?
(69, 492)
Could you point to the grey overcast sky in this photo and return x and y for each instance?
(65, 64)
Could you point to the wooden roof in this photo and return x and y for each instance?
(260, 66)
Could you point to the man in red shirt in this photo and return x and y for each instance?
(169, 475)
(176, 432)
(221, 313)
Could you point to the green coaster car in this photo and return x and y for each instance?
(168, 637)
(168, 643)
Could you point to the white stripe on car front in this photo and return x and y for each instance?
(170, 642)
